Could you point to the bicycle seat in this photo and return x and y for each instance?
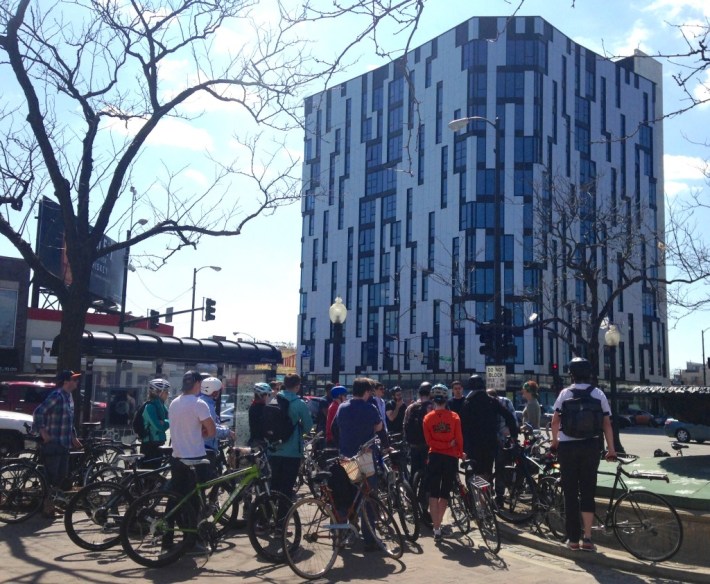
(130, 457)
(678, 446)
(321, 476)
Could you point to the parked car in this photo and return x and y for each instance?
(12, 431)
(24, 396)
(685, 431)
(644, 418)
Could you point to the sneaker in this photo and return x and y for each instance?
(437, 536)
(588, 546)
(446, 530)
(573, 545)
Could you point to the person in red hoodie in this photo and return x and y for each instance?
(442, 432)
(338, 393)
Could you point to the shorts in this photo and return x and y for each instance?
(441, 470)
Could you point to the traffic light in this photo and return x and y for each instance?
(708, 362)
(210, 309)
(554, 370)
(154, 318)
(486, 335)
(507, 347)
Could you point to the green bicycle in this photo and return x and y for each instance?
(158, 528)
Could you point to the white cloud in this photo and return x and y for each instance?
(170, 132)
(674, 188)
(677, 167)
(672, 9)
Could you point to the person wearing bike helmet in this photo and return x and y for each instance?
(338, 395)
(579, 457)
(155, 421)
(262, 393)
(442, 432)
(210, 390)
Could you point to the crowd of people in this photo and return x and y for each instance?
(439, 428)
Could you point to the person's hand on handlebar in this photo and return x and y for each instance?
(610, 455)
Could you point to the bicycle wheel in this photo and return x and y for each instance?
(406, 510)
(154, 533)
(421, 491)
(93, 516)
(551, 507)
(519, 498)
(311, 553)
(459, 514)
(265, 522)
(647, 526)
(484, 513)
(22, 492)
(380, 523)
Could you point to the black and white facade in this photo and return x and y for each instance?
(399, 210)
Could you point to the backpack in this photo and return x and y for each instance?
(138, 424)
(582, 415)
(414, 429)
(276, 422)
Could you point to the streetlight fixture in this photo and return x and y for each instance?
(126, 267)
(235, 333)
(455, 126)
(194, 285)
(705, 365)
(612, 337)
(337, 313)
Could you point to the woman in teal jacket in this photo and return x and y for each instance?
(155, 420)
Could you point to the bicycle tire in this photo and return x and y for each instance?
(382, 526)
(406, 510)
(551, 507)
(485, 516)
(421, 491)
(265, 521)
(312, 550)
(93, 516)
(22, 492)
(151, 540)
(458, 511)
(647, 526)
(519, 499)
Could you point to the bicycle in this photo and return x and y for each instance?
(397, 494)
(644, 523)
(475, 494)
(158, 528)
(93, 516)
(315, 530)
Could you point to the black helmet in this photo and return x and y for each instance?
(580, 368)
(475, 383)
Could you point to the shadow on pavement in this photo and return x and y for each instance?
(690, 466)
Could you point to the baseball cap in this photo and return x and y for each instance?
(67, 375)
(190, 378)
(337, 390)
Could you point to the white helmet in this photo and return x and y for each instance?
(210, 386)
(158, 385)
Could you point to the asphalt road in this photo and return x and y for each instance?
(643, 441)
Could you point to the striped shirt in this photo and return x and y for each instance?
(56, 415)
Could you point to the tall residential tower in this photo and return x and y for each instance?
(406, 218)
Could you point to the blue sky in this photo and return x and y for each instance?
(257, 288)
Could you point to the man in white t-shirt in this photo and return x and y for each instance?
(190, 424)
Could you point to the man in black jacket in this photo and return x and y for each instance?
(479, 424)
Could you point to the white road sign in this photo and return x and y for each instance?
(495, 377)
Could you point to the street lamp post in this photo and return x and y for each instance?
(612, 337)
(126, 261)
(235, 333)
(194, 285)
(705, 365)
(460, 124)
(337, 313)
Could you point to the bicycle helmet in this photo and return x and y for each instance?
(580, 368)
(439, 393)
(210, 386)
(337, 391)
(262, 389)
(158, 385)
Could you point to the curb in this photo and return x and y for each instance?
(607, 557)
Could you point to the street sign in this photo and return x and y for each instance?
(306, 352)
(495, 377)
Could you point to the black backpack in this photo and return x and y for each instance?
(414, 430)
(138, 424)
(276, 422)
(582, 415)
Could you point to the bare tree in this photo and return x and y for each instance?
(89, 92)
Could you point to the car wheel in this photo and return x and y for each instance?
(682, 435)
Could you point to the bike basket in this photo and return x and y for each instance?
(352, 469)
(359, 467)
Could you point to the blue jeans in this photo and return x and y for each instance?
(55, 458)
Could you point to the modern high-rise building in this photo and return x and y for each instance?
(499, 173)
